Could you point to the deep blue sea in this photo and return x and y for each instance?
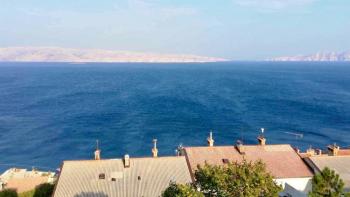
(50, 112)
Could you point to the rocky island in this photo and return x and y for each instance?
(321, 56)
(57, 54)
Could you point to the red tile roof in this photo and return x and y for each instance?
(343, 152)
(25, 184)
(281, 160)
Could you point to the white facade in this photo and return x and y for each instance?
(295, 187)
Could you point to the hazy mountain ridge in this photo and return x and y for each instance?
(321, 56)
(57, 54)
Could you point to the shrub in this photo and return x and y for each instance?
(44, 190)
(245, 179)
(8, 193)
(327, 183)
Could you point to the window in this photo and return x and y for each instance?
(102, 176)
(113, 179)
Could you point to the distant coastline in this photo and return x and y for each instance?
(57, 54)
(317, 57)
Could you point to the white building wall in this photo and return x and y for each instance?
(296, 187)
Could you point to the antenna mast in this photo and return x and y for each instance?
(97, 145)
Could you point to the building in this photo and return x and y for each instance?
(121, 177)
(23, 180)
(151, 176)
(282, 161)
(335, 158)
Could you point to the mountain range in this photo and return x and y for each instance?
(321, 56)
(57, 54)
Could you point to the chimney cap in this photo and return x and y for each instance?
(318, 151)
(333, 149)
(333, 146)
(126, 161)
(210, 139)
(240, 147)
(97, 152)
(154, 149)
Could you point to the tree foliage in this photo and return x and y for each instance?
(44, 190)
(327, 184)
(8, 193)
(245, 179)
(181, 190)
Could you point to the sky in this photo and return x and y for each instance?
(233, 29)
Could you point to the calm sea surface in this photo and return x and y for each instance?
(51, 112)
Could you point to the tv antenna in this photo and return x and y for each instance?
(97, 144)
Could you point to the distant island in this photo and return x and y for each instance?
(322, 56)
(57, 54)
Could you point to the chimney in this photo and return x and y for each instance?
(97, 152)
(333, 149)
(210, 139)
(154, 149)
(318, 151)
(180, 151)
(240, 147)
(126, 161)
(261, 138)
(310, 152)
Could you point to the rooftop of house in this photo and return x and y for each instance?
(343, 152)
(23, 180)
(340, 164)
(281, 160)
(335, 158)
(113, 177)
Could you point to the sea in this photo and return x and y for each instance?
(51, 112)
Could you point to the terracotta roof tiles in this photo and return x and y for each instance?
(281, 160)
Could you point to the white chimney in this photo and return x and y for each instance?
(154, 149)
(240, 147)
(310, 152)
(210, 139)
(126, 161)
(261, 138)
(97, 152)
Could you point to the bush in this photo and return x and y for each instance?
(234, 179)
(8, 193)
(180, 190)
(44, 190)
(27, 193)
(327, 183)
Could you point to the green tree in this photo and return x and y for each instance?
(44, 190)
(8, 193)
(245, 179)
(181, 190)
(327, 183)
(347, 194)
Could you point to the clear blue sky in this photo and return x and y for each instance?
(235, 29)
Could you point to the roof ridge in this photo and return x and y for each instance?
(120, 159)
